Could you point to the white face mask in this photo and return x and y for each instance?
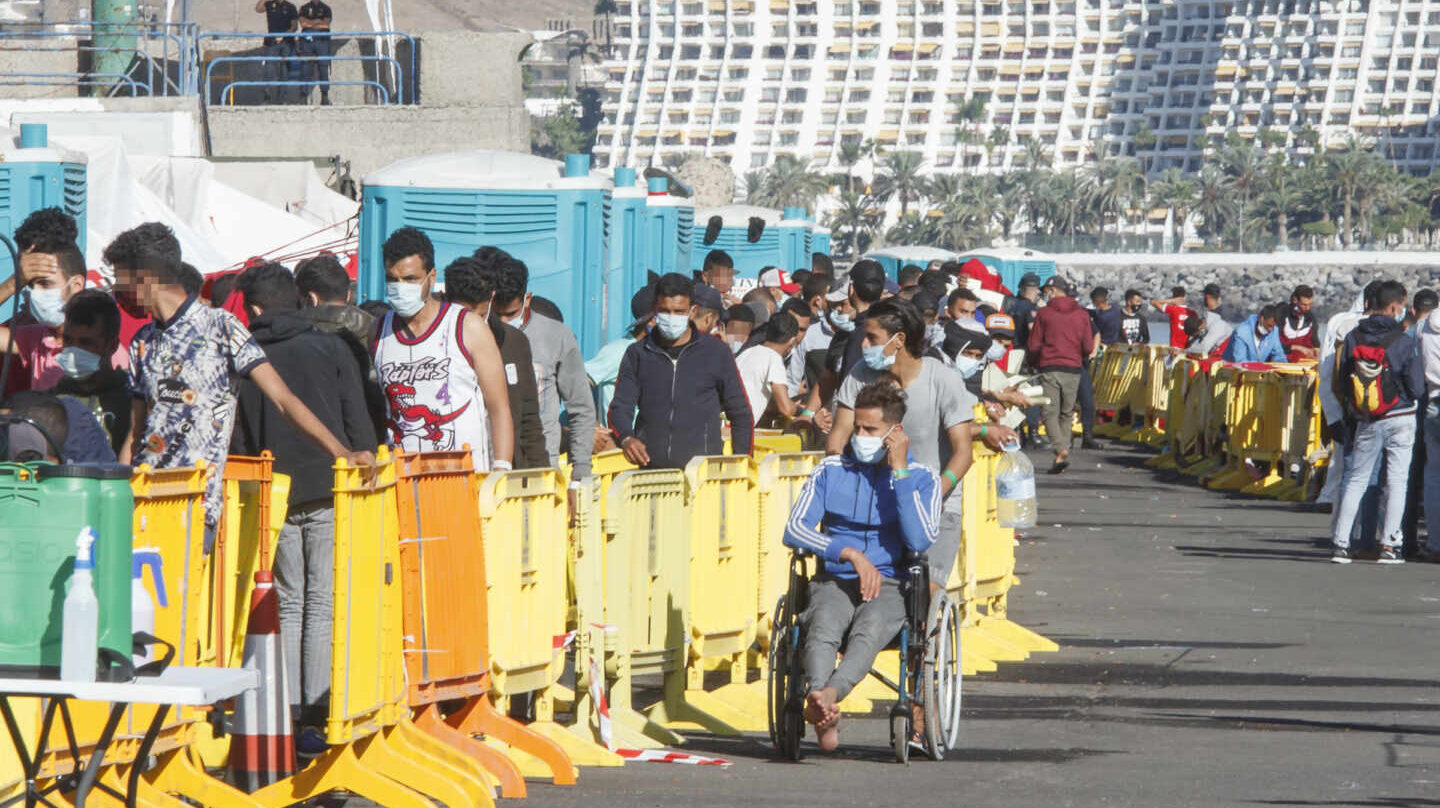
(78, 363)
(968, 365)
(869, 448)
(407, 299)
(842, 321)
(518, 322)
(736, 344)
(672, 326)
(48, 306)
(996, 352)
(934, 334)
(875, 356)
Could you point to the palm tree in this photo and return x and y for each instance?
(851, 153)
(755, 187)
(942, 188)
(1348, 168)
(969, 113)
(910, 228)
(607, 8)
(1280, 197)
(900, 177)
(1175, 192)
(1213, 202)
(1009, 202)
(1241, 162)
(854, 220)
(1145, 140)
(791, 183)
(999, 136)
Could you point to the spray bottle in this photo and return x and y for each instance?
(142, 608)
(80, 633)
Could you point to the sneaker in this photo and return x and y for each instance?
(1091, 444)
(1341, 555)
(310, 743)
(1390, 555)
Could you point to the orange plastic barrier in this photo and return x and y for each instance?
(447, 653)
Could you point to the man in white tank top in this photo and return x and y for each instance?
(438, 365)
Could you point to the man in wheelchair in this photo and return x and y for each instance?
(860, 512)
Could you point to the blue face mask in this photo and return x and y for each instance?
(841, 321)
(1400, 318)
(876, 358)
(869, 448)
(996, 352)
(407, 299)
(672, 326)
(968, 365)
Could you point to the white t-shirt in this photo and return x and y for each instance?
(759, 368)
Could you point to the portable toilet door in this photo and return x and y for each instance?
(548, 214)
(625, 260)
(820, 240)
(749, 256)
(670, 221)
(35, 175)
(795, 239)
(1014, 262)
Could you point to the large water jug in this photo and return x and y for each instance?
(1015, 489)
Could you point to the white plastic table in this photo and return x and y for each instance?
(177, 686)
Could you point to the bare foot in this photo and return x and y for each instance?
(822, 710)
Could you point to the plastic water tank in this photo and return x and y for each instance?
(35, 175)
(669, 234)
(549, 214)
(892, 258)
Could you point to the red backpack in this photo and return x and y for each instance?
(1373, 389)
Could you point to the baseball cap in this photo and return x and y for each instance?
(1029, 279)
(892, 286)
(839, 293)
(779, 278)
(642, 306)
(1212, 289)
(1059, 284)
(1000, 325)
(707, 297)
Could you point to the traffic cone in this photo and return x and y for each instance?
(262, 748)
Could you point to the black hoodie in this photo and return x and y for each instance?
(320, 370)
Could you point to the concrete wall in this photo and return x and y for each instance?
(51, 56)
(470, 98)
(369, 137)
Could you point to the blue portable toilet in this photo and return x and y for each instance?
(892, 258)
(36, 175)
(550, 215)
(820, 239)
(781, 243)
(624, 258)
(795, 239)
(669, 231)
(1014, 262)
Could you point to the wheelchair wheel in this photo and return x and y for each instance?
(941, 678)
(901, 726)
(785, 696)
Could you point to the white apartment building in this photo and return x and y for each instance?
(748, 80)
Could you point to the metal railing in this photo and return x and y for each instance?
(395, 79)
(161, 57)
(227, 92)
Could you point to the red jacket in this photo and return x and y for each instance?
(1061, 336)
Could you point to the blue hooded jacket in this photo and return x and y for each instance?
(846, 503)
(1243, 347)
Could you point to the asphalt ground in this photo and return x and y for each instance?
(1211, 655)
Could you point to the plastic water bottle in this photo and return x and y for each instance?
(142, 608)
(1015, 489)
(80, 633)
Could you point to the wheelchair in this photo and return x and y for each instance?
(929, 646)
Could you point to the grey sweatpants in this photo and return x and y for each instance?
(1061, 388)
(305, 586)
(836, 607)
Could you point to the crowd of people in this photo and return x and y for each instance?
(168, 368)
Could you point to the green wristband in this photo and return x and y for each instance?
(950, 475)
(984, 428)
(900, 474)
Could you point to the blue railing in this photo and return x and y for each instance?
(164, 54)
(400, 85)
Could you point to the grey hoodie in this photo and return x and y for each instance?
(1430, 351)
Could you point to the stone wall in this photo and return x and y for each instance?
(1249, 282)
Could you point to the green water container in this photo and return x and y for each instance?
(43, 507)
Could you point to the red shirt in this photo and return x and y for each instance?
(1178, 315)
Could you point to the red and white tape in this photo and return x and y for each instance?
(666, 756)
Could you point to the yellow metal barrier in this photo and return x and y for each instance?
(1119, 374)
(524, 523)
(375, 751)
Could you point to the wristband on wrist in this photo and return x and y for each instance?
(900, 474)
(984, 428)
(501, 465)
(806, 413)
(950, 475)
